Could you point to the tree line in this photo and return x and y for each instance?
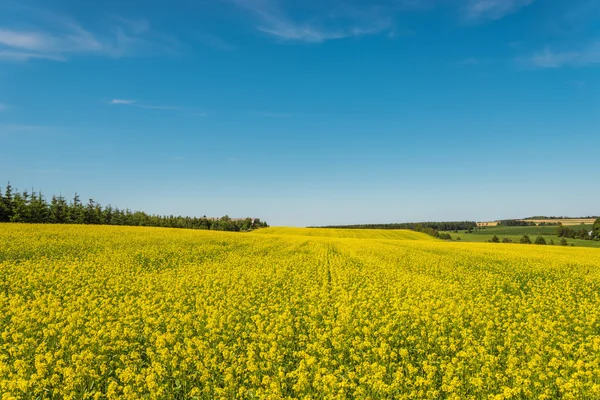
(515, 222)
(438, 226)
(582, 233)
(33, 207)
(525, 239)
(431, 228)
(547, 217)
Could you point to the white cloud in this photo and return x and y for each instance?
(288, 30)
(493, 9)
(332, 19)
(322, 24)
(135, 103)
(24, 40)
(587, 56)
(122, 101)
(24, 56)
(55, 37)
(22, 44)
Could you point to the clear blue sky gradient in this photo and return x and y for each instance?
(331, 112)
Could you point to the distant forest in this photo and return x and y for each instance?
(430, 228)
(415, 226)
(515, 222)
(32, 207)
(545, 217)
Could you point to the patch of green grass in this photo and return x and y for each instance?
(525, 230)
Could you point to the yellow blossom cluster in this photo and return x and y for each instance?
(97, 312)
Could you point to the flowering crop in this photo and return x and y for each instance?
(392, 234)
(95, 312)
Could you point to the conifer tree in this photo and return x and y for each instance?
(7, 201)
(20, 207)
(26, 208)
(58, 210)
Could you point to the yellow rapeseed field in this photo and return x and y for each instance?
(393, 234)
(94, 312)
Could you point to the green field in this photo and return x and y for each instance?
(516, 232)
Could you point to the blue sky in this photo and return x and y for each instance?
(304, 113)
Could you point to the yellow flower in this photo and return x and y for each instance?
(99, 312)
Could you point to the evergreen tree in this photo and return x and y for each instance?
(3, 211)
(76, 211)
(20, 209)
(93, 213)
(540, 240)
(107, 215)
(58, 210)
(7, 204)
(495, 239)
(38, 209)
(23, 207)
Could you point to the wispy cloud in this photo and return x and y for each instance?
(56, 37)
(122, 101)
(587, 56)
(316, 22)
(135, 103)
(492, 9)
(325, 23)
(24, 56)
